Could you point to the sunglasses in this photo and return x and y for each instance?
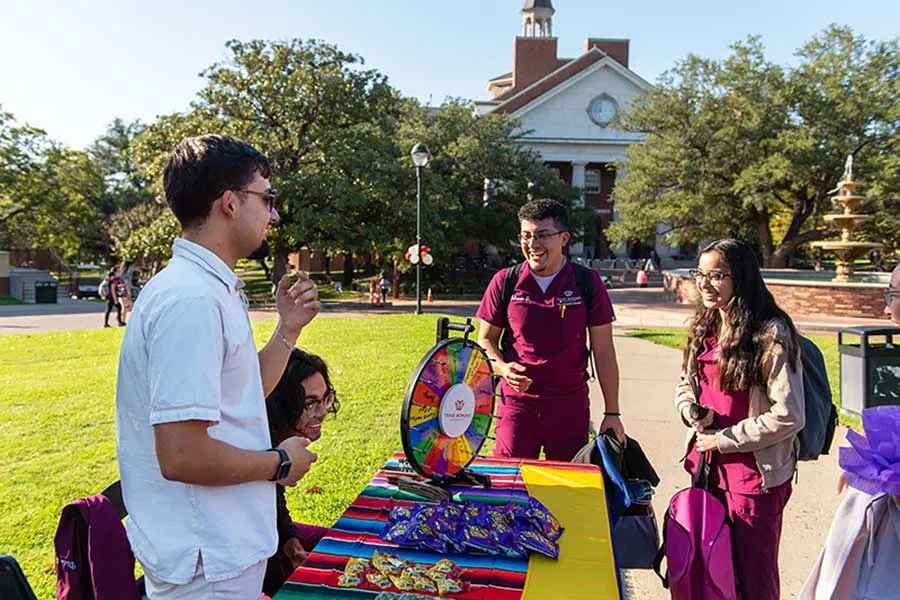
(268, 196)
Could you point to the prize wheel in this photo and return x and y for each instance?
(448, 408)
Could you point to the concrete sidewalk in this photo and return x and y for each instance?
(636, 308)
(648, 376)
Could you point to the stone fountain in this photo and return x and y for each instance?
(846, 250)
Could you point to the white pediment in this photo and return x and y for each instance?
(563, 113)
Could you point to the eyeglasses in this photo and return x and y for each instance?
(268, 196)
(890, 295)
(714, 277)
(541, 237)
(323, 405)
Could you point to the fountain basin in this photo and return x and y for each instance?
(849, 203)
(849, 222)
(805, 293)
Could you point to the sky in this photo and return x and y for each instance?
(71, 67)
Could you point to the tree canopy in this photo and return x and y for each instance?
(742, 146)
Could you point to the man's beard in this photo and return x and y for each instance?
(261, 252)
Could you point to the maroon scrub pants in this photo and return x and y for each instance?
(755, 535)
(558, 424)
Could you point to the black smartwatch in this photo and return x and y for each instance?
(284, 467)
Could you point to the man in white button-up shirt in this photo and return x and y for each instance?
(198, 475)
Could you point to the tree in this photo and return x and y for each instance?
(325, 124)
(50, 196)
(21, 148)
(124, 185)
(469, 153)
(746, 147)
(338, 139)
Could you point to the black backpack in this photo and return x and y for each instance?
(585, 288)
(821, 415)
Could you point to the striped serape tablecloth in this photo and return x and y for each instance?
(572, 492)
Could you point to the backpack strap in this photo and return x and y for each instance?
(585, 283)
(510, 278)
(660, 555)
(701, 477)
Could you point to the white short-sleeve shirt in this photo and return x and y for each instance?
(188, 354)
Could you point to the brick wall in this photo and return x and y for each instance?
(866, 302)
(860, 302)
(533, 58)
(616, 49)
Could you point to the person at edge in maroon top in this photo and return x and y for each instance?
(543, 364)
(742, 363)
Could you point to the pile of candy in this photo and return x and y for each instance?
(390, 573)
(510, 530)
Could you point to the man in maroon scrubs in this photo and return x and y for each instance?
(544, 360)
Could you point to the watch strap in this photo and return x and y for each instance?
(284, 466)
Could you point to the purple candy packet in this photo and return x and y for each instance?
(399, 513)
(398, 533)
(479, 538)
(532, 540)
(503, 533)
(540, 518)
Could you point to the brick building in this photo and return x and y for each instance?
(568, 105)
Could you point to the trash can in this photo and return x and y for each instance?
(870, 367)
(45, 292)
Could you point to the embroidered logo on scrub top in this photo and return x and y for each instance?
(519, 298)
(568, 299)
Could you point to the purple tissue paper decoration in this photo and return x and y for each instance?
(872, 463)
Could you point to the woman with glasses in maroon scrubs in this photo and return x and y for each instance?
(741, 394)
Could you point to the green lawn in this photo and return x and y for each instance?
(9, 300)
(57, 430)
(676, 338)
(259, 289)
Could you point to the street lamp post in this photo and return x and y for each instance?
(420, 159)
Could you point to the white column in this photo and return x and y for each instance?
(619, 250)
(578, 169)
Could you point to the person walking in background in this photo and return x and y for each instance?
(124, 275)
(384, 285)
(195, 458)
(112, 297)
(892, 297)
(742, 370)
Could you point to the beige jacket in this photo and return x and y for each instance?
(777, 414)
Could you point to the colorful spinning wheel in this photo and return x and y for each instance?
(448, 409)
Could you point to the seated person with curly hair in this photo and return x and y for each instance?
(296, 407)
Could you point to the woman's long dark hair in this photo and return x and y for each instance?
(287, 401)
(749, 331)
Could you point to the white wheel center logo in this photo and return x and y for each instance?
(457, 410)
